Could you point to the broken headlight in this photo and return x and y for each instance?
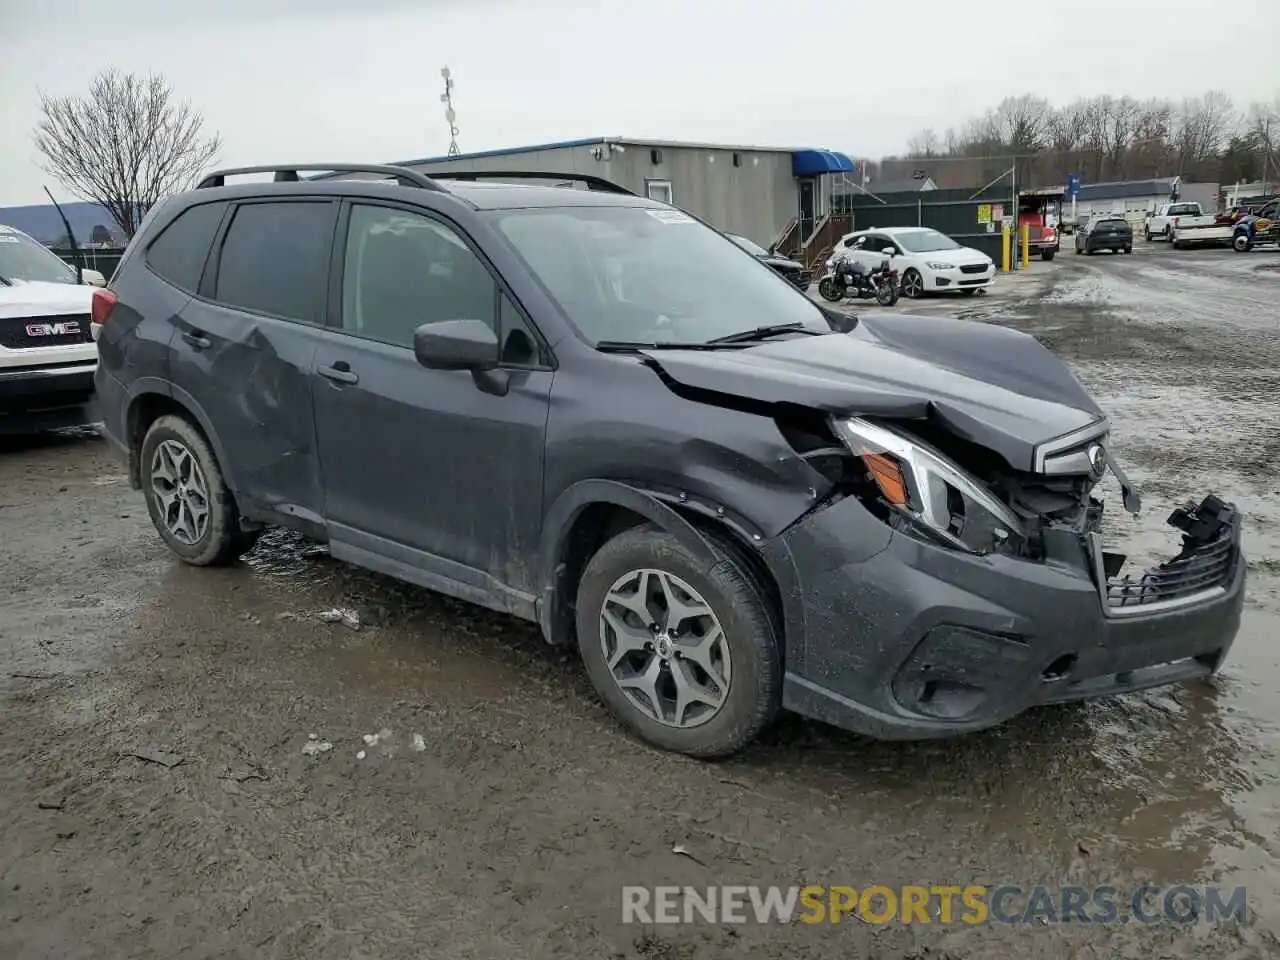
(935, 496)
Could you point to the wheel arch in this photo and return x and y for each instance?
(148, 404)
(591, 512)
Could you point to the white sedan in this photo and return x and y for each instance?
(926, 260)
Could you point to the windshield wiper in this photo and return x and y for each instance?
(631, 346)
(760, 333)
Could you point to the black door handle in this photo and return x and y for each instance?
(339, 372)
(197, 339)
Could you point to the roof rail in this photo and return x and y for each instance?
(289, 174)
(592, 182)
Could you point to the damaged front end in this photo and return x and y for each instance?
(931, 484)
(995, 592)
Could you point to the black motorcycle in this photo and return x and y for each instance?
(848, 278)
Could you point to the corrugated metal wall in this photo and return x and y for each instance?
(757, 198)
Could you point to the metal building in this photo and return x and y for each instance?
(758, 192)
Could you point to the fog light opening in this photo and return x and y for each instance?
(1060, 669)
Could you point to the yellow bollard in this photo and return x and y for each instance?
(1026, 245)
(1005, 246)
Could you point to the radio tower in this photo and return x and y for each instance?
(447, 99)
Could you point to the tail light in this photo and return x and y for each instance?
(103, 302)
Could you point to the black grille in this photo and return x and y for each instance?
(1202, 569)
(17, 333)
(973, 268)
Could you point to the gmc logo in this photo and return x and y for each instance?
(63, 329)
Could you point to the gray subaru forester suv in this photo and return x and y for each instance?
(593, 411)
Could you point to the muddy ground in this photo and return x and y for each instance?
(155, 800)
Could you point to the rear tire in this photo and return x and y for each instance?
(188, 500)
(886, 295)
(648, 559)
(1047, 255)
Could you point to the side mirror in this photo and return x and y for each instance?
(890, 251)
(93, 278)
(456, 345)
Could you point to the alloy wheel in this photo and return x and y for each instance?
(665, 648)
(913, 284)
(180, 489)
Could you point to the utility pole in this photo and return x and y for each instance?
(447, 99)
(1266, 153)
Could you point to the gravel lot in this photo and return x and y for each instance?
(155, 799)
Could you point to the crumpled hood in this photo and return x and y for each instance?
(993, 386)
(27, 298)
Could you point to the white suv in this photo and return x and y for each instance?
(47, 353)
(926, 260)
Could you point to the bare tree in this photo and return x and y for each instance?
(925, 143)
(124, 145)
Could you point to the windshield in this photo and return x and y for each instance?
(752, 248)
(648, 275)
(925, 241)
(21, 258)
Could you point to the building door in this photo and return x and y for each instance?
(807, 198)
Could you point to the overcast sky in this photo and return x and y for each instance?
(298, 80)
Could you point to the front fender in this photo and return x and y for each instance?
(558, 524)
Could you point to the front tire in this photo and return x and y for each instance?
(685, 657)
(188, 500)
(912, 284)
(1241, 243)
(830, 290)
(1047, 255)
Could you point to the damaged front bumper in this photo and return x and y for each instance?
(919, 641)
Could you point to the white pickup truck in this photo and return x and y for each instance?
(1159, 225)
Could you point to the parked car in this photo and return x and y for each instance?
(927, 261)
(47, 356)
(1105, 233)
(587, 409)
(1160, 223)
(789, 270)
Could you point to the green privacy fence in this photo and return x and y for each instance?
(104, 261)
(972, 222)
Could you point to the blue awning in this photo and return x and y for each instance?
(810, 163)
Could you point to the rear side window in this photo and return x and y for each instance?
(179, 253)
(275, 259)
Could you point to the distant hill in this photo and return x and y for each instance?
(43, 223)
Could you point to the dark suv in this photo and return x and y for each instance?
(591, 410)
(1105, 233)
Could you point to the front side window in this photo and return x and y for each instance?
(925, 241)
(648, 275)
(403, 269)
(275, 259)
(23, 259)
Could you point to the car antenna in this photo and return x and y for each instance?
(75, 247)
